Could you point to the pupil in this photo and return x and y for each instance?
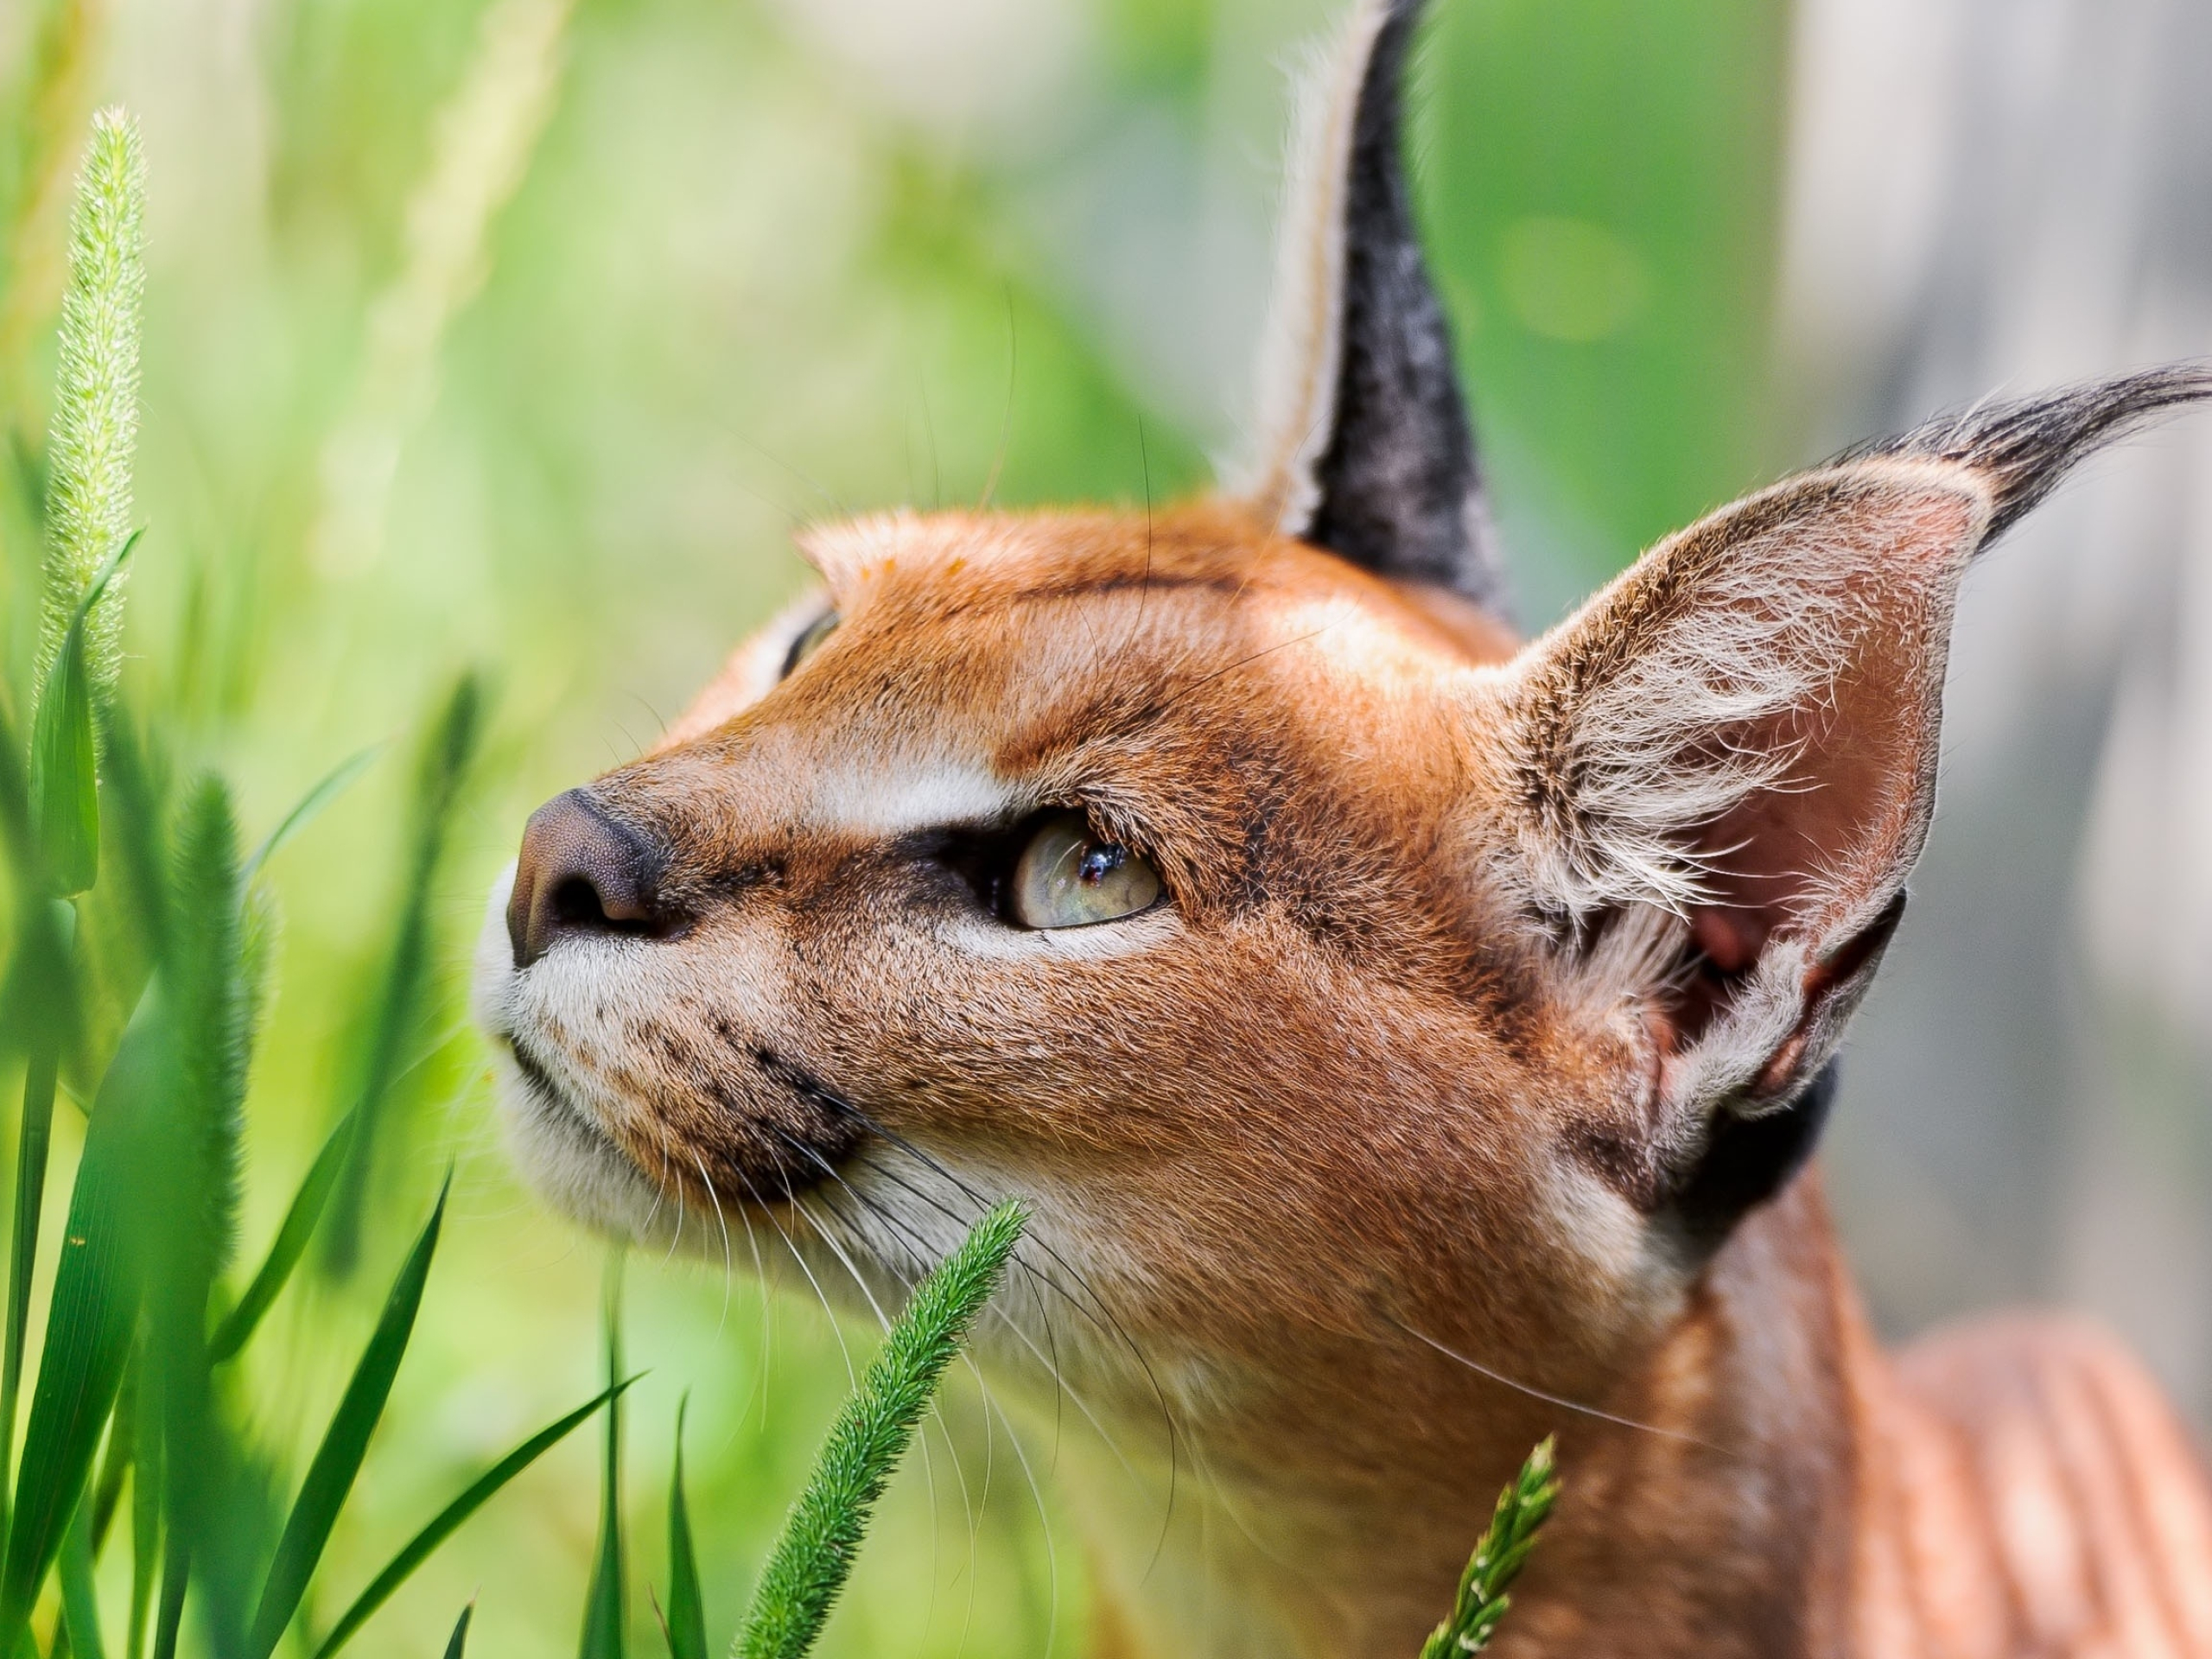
(1097, 864)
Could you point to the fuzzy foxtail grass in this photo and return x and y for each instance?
(813, 1558)
(127, 1362)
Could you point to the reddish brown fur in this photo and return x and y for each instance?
(1350, 1110)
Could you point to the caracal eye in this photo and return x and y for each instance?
(1066, 877)
(809, 642)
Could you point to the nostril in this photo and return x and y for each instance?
(581, 870)
(577, 904)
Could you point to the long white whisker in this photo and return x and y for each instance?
(1044, 1520)
(790, 1248)
(728, 1265)
(1549, 1399)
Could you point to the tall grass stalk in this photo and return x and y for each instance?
(814, 1555)
(88, 514)
(484, 139)
(126, 1358)
(96, 393)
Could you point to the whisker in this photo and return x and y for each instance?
(1044, 1520)
(1549, 1399)
(912, 1245)
(1109, 1325)
(1098, 1314)
(676, 1242)
(790, 1249)
(726, 1266)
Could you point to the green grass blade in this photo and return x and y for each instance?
(64, 792)
(65, 761)
(116, 1461)
(814, 1553)
(145, 1509)
(177, 1578)
(81, 1603)
(423, 1544)
(92, 1312)
(338, 1460)
(405, 987)
(35, 1139)
(334, 783)
(1500, 1554)
(605, 1602)
(288, 1246)
(458, 1642)
(687, 1607)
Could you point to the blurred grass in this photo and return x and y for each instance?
(745, 280)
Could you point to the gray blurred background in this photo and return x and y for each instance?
(1997, 195)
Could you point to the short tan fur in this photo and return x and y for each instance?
(1457, 1085)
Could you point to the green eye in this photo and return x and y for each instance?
(1066, 877)
(810, 642)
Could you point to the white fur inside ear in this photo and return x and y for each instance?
(1710, 670)
(1647, 770)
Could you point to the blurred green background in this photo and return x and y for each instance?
(519, 335)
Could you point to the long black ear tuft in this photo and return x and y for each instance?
(2023, 448)
(1366, 449)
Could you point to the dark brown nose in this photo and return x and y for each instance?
(580, 872)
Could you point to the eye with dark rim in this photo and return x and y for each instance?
(1068, 877)
(810, 640)
(1051, 871)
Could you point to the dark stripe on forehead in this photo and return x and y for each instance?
(1085, 586)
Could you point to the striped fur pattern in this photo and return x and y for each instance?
(1457, 1088)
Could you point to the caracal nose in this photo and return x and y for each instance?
(580, 872)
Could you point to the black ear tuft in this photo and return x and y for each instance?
(1374, 458)
(1401, 490)
(2024, 447)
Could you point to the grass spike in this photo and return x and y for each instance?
(814, 1555)
(95, 426)
(1500, 1554)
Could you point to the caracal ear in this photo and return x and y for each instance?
(1717, 774)
(1363, 445)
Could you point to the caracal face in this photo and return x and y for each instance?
(816, 1011)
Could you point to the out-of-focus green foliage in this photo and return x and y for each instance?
(518, 334)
